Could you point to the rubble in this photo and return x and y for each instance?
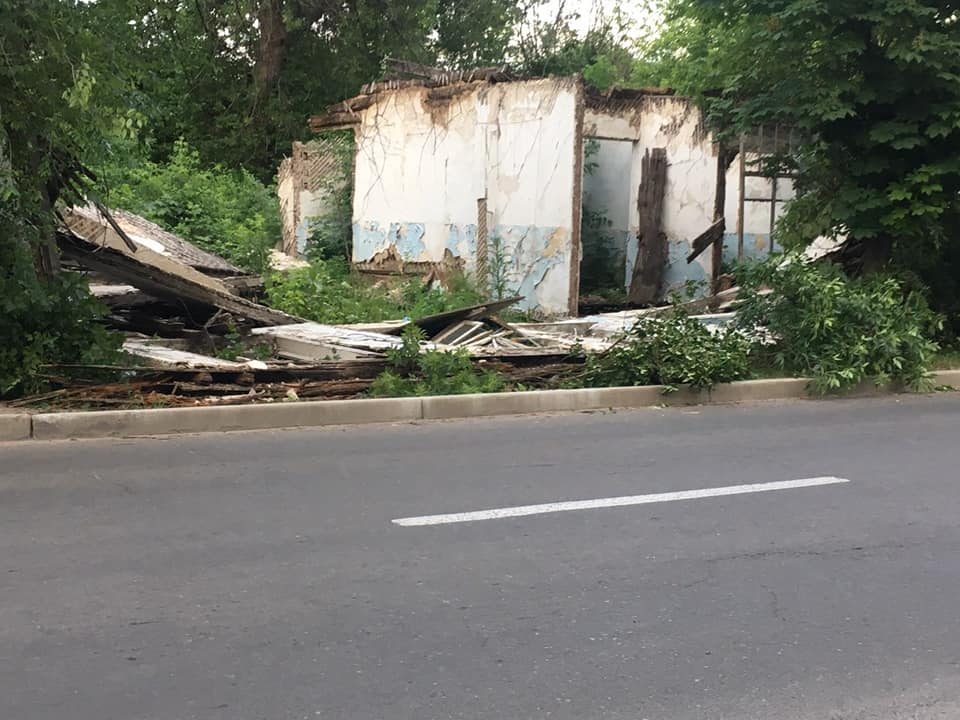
(193, 339)
(90, 239)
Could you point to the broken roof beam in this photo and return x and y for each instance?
(345, 115)
(341, 115)
(334, 120)
(98, 246)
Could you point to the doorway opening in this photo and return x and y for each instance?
(605, 223)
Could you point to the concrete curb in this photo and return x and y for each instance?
(114, 423)
(14, 426)
(947, 378)
(128, 423)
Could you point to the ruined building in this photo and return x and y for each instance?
(543, 186)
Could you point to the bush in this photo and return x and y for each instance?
(671, 351)
(329, 292)
(45, 322)
(838, 330)
(413, 373)
(227, 212)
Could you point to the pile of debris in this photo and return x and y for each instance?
(195, 334)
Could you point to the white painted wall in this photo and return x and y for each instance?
(422, 164)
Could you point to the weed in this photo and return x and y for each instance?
(329, 292)
(672, 351)
(413, 373)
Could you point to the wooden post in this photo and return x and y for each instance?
(483, 270)
(719, 207)
(648, 270)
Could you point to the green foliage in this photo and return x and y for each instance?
(837, 330)
(605, 55)
(238, 79)
(498, 268)
(45, 323)
(474, 33)
(55, 107)
(228, 212)
(414, 373)
(873, 86)
(329, 292)
(672, 351)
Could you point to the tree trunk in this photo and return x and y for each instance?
(271, 50)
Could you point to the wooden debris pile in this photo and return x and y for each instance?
(196, 335)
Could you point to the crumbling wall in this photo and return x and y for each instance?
(305, 183)
(428, 158)
(675, 124)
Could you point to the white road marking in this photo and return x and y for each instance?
(521, 510)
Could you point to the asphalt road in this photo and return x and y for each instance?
(260, 575)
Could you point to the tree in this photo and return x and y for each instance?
(54, 111)
(604, 54)
(237, 78)
(874, 87)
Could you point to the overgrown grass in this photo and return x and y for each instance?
(328, 291)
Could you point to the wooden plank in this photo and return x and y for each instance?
(705, 239)
(724, 160)
(651, 261)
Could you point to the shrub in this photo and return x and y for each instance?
(413, 373)
(671, 351)
(226, 212)
(836, 329)
(329, 292)
(45, 322)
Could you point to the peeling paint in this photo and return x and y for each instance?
(408, 239)
(368, 239)
(301, 234)
(531, 253)
(462, 241)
